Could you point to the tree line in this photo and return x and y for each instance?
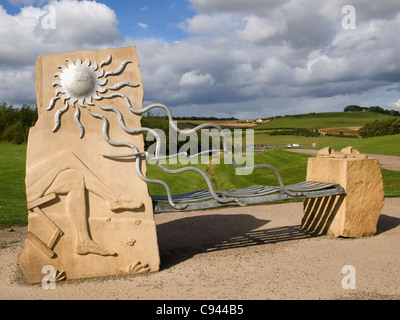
(296, 132)
(380, 128)
(205, 118)
(15, 122)
(376, 109)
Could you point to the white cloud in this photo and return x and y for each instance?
(18, 87)
(143, 25)
(195, 79)
(395, 104)
(82, 23)
(79, 25)
(365, 10)
(236, 5)
(206, 24)
(259, 29)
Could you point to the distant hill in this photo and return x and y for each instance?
(224, 123)
(331, 123)
(322, 120)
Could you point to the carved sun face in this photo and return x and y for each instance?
(80, 82)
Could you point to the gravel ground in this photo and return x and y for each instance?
(255, 252)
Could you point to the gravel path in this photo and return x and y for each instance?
(387, 162)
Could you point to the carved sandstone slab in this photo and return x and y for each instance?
(90, 214)
(356, 214)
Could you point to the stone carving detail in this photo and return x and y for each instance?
(137, 267)
(66, 174)
(80, 82)
(130, 241)
(60, 276)
(348, 152)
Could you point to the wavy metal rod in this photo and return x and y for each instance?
(158, 159)
(138, 163)
(193, 130)
(224, 140)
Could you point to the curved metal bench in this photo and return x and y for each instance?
(202, 199)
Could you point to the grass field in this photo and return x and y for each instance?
(386, 145)
(12, 185)
(323, 120)
(292, 167)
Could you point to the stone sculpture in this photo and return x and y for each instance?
(90, 214)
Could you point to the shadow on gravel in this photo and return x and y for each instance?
(181, 239)
(386, 223)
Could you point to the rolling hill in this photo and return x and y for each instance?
(322, 120)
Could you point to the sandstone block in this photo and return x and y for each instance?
(357, 213)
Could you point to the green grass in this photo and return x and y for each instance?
(324, 120)
(180, 183)
(391, 183)
(13, 209)
(292, 167)
(386, 145)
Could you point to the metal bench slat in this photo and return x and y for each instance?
(202, 199)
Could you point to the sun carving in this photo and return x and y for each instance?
(80, 83)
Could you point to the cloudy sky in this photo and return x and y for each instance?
(253, 58)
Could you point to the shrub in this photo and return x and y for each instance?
(380, 128)
(296, 132)
(15, 123)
